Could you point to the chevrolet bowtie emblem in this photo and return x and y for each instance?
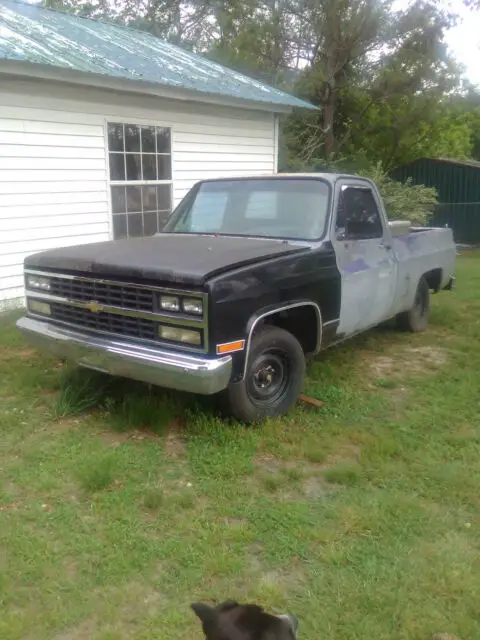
(94, 307)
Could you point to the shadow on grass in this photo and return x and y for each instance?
(126, 404)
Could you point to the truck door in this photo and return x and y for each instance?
(366, 261)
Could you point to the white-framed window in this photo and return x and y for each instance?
(140, 159)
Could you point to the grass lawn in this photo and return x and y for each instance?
(120, 505)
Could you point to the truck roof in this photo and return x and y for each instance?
(328, 177)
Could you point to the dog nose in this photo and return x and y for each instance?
(291, 620)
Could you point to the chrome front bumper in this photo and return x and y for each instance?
(156, 366)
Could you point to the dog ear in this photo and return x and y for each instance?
(228, 605)
(207, 615)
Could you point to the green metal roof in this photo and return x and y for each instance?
(33, 34)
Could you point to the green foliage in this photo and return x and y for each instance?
(80, 391)
(97, 474)
(403, 200)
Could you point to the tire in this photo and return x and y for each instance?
(273, 378)
(416, 319)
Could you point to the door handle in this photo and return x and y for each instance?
(386, 245)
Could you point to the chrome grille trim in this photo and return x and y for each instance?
(141, 315)
(114, 283)
(178, 319)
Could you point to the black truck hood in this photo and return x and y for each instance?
(183, 259)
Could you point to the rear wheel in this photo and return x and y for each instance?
(273, 378)
(416, 319)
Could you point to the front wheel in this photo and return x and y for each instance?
(416, 319)
(273, 379)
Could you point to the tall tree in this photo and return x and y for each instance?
(347, 31)
(386, 89)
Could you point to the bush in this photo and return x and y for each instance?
(403, 200)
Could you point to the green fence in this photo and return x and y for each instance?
(463, 218)
(458, 185)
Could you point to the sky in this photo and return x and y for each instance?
(463, 40)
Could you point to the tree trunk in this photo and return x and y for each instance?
(329, 102)
(328, 115)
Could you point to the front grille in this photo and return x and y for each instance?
(128, 297)
(121, 325)
(121, 309)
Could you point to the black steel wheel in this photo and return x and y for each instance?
(273, 378)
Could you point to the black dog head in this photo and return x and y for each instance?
(233, 621)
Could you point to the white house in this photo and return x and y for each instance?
(104, 128)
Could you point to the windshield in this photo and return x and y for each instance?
(293, 208)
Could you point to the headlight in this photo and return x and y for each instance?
(192, 305)
(35, 306)
(177, 334)
(38, 282)
(169, 303)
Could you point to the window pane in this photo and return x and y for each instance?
(118, 200)
(119, 227)
(162, 218)
(148, 139)
(149, 195)
(134, 199)
(149, 167)
(208, 211)
(163, 140)
(150, 224)
(164, 197)
(135, 226)
(132, 137)
(164, 167)
(244, 207)
(262, 205)
(132, 160)
(137, 153)
(117, 166)
(115, 137)
(362, 217)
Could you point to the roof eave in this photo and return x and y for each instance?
(125, 85)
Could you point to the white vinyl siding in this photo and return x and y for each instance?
(54, 178)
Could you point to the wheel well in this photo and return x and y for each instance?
(434, 279)
(301, 322)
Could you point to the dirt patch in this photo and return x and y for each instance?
(14, 354)
(174, 444)
(84, 630)
(116, 438)
(235, 522)
(293, 480)
(315, 488)
(346, 453)
(431, 355)
(279, 579)
(271, 464)
(383, 366)
(417, 360)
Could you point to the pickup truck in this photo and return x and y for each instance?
(249, 277)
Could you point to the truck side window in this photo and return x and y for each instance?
(358, 214)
